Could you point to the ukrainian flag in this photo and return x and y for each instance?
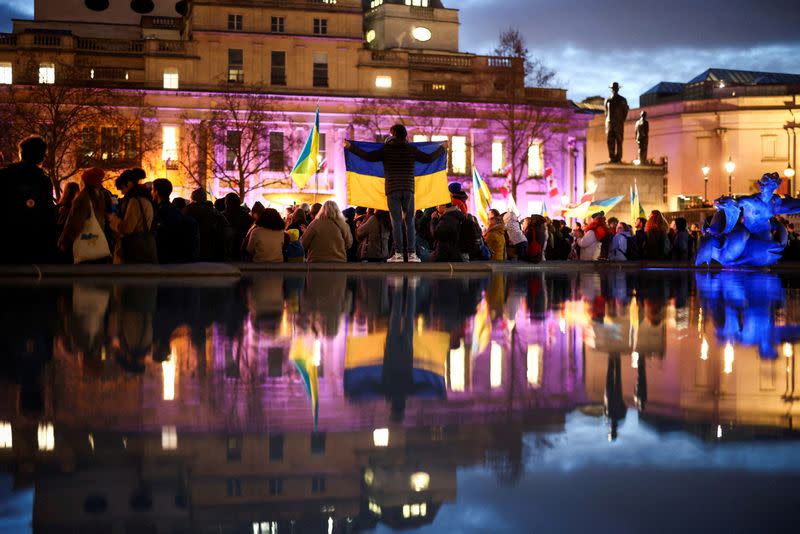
(365, 179)
(483, 197)
(587, 208)
(302, 355)
(307, 163)
(636, 203)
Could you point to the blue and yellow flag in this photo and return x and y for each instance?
(482, 195)
(636, 203)
(302, 355)
(307, 162)
(366, 186)
(587, 208)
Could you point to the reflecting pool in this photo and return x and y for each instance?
(654, 401)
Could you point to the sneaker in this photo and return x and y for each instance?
(397, 258)
(413, 258)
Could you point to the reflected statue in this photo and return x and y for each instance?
(744, 231)
(642, 136)
(616, 113)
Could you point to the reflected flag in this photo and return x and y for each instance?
(307, 163)
(302, 355)
(482, 197)
(481, 329)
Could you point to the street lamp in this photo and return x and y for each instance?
(730, 166)
(706, 170)
(789, 173)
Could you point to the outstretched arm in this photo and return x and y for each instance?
(787, 205)
(424, 157)
(374, 156)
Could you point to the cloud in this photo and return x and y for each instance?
(14, 9)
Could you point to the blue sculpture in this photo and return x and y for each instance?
(744, 231)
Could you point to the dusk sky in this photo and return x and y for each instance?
(635, 42)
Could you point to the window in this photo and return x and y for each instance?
(370, 36)
(235, 65)
(278, 68)
(233, 144)
(276, 447)
(6, 72)
(47, 73)
(498, 156)
(276, 163)
(170, 78)
(320, 69)
(318, 484)
(320, 26)
(130, 145)
(169, 438)
(234, 22)
(415, 510)
(233, 446)
(535, 159)
(109, 144)
(458, 154)
(46, 437)
(417, 3)
(383, 82)
(234, 487)
(418, 138)
(375, 3)
(278, 25)
(318, 443)
(88, 145)
(321, 155)
(275, 486)
(169, 143)
(6, 439)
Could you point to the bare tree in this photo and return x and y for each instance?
(83, 125)
(235, 143)
(524, 115)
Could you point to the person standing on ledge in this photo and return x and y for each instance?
(398, 158)
(616, 113)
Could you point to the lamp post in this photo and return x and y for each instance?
(730, 166)
(789, 173)
(706, 170)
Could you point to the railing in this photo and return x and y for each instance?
(431, 60)
(47, 40)
(500, 62)
(8, 39)
(162, 23)
(110, 45)
(545, 94)
(383, 55)
(109, 73)
(422, 12)
(171, 46)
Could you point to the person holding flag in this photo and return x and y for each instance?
(398, 157)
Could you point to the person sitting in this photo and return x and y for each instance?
(265, 244)
(373, 236)
(177, 235)
(89, 202)
(328, 237)
(446, 224)
(294, 252)
(495, 236)
(516, 238)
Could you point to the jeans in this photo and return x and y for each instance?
(401, 212)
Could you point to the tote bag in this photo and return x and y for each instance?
(91, 244)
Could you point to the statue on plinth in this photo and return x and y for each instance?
(745, 231)
(642, 136)
(616, 113)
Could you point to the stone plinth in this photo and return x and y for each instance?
(617, 178)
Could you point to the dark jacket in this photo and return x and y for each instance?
(177, 235)
(240, 222)
(398, 159)
(28, 213)
(373, 240)
(446, 231)
(213, 229)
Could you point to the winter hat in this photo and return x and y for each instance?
(93, 177)
(456, 191)
(349, 213)
(293, 234)
(598, 214)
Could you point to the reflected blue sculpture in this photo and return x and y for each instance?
(744, 231)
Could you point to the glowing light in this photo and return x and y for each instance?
(562, 325)
(637, 162)
(169, 143)
(369, 476)
(380, 437)
(374, 507)
(383, 82)
(534, 361)
(728, 358)
(47, 73)
(168, 377)
(171, 79)
(730, 166)
(169, 438)
(498, 156)
(789, 172)
(317, 357)
(370, 35)
(91, 442)
(788, 350)
(330, 525)
(635, 360)
(704, 350)
(496, 365)
(421, 33)
(46, 437)
(6, 73)
(6, 439)
(419, 481)
(457, 374)
(719, 431)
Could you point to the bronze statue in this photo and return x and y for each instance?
(642, 136)
(616, 113)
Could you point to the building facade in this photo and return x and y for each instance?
(747, 118)
(228, 92)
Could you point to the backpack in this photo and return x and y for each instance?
(632, 251)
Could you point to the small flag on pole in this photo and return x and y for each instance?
(307, 164)
(552, 187)
(482, 196)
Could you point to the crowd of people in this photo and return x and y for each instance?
(144, 224)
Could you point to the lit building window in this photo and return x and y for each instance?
(496, 365)
(170, 78)
(169, 143)
(6, 72)
(534, 362)
(498, 156)
(235, 65)
(458, 154)
(383, 82)
(168, 372)
(419, 481)
(46, 437)
(375, 3)
(47, 73)
(169, 438)
(417, 3)
(370, 36)
(727, 358)
(265, 527)
(535, 159)
(6, 441)
(457, 368)
(374, 507)
(380, 437)
(415, 510)
(418, 138)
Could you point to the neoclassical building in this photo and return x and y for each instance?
(366, 64)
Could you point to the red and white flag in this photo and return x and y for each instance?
(552, 187)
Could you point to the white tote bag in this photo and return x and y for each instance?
(91, 244)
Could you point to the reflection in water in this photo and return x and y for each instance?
(332, 403)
